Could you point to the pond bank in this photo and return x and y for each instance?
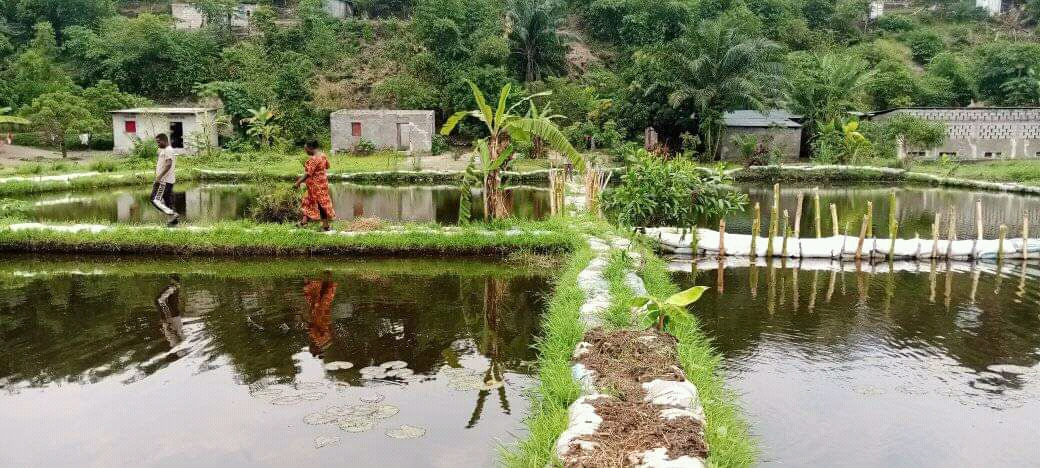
(837, 173)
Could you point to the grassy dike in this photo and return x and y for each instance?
(727, 432)
(1000, 180)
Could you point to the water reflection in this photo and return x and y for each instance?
(210, 203)
(75, 343)
(917, 209)
(899, 363)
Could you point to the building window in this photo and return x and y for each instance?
(130, 126)
(355, 129)
(948, 154)
(992, 154)
(915, 154)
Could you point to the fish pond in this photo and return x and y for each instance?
(902, 365)
(222, 202)
(109, 362)
(916, 209)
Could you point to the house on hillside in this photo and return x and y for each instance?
(779, 127)
(184, 125)
(402, 130)
(977, 133)
(187, 16)
(338, 8)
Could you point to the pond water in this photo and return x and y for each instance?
(916, 208)
(213, 202)
(913, 367)
(111, 363)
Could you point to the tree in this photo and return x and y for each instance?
(959, 73)
(536, 47)
(716, 69)
(891, 86)
(1000, 62)
(824, 87)
(504, 127)
(262, 126)
(55, 115)
(11, 119)
(105, 97)
(35, 71)
(64, 13)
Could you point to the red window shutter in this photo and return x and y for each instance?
(355, 129)
(130, 126)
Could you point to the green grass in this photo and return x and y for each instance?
(245, 238)
(728, 435)
(619, 314)
(1023, 172)
(556, 388)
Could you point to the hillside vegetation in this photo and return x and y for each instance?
(614, 67)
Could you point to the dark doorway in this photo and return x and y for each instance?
(177, 134)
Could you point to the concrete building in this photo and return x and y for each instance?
(184, 125)
(186, 16)
(977, 133)
(402, 130)
(338, 8)
(778, 125)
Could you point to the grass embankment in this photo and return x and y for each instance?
(243, 238)
(727, 432)
(1004, 176)
(1022, 172)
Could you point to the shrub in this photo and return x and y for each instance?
(145, 149)
(279, 205)
(924, 44)
(439, 145)
(11, 208)
(658, 192)
(104, 164)
(895, 23)
(364, 147)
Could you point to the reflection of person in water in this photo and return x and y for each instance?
(169, 305)
(320, 294)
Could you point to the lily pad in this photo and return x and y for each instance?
(317, 419)
(406, 432)
(372, 398)
(287, 400)
(466, 383)
(338, 365)
(394, 365)
(356, 424)
(373, 372)
(267, 392)
(337, 411)
(313, 396)
(309, 385)
(363, 410)
(323, 441)
(385, 411)
(400, 373)
(492, 385)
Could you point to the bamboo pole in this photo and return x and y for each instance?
(794, 288)
(812, 295)
(891, 209)
(870, 219)
(1025, 235)
(893, 231)
(756, 229)
(722, 238)
(862, 235)
(783, 248)
(816, 210)
(774, 214)
(952, 235)
(1000, 243)
(798, 216)
(978, 219)
(936, 227)
(834, 219)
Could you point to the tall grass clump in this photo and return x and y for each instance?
(279, 205)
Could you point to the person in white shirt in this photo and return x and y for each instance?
(165, 177)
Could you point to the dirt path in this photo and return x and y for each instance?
(13, 155)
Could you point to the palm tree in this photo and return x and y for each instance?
(503, 127)
(828, 87)
(536, 45)
(11, 119)
(717, 69)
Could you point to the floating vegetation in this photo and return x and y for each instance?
(385, 411)
(287, 400)
(338, 365)
(463, 380)
(356, 424)
(267, 392)
(323, 441)
(406, 432)
(313, 396)
(311, 385)
(394, 365)
(363, 410)
(492, 385)
(337, 411)
(372, 398)
(373, 372)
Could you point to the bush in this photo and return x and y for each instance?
(104, 164)
(924, 44)
(656, 192)
(279, 205)
(364, 147)
(145, 149)
(11, 208)
(439, 145)
(896, 23)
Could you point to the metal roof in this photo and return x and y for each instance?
(754, 118)
(164, 110)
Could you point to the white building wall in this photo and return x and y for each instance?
(384, 128)
(151, 124)
(991, 6)
(338, 8)
(186, 16)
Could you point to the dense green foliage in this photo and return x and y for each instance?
(614, 67)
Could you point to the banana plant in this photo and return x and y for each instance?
(663, 312)
(503, 127)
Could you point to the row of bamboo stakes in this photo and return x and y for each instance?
(866, 228)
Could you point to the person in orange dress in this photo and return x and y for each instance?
(320, 294)
(317, 205)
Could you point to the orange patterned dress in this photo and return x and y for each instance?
(320, 295)
(317, 199)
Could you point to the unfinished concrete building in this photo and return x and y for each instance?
(977, 133)
(401, 130)
(187, 127)
(778, 127)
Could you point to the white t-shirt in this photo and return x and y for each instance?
(166, 154)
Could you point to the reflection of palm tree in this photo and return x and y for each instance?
(489, 346)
